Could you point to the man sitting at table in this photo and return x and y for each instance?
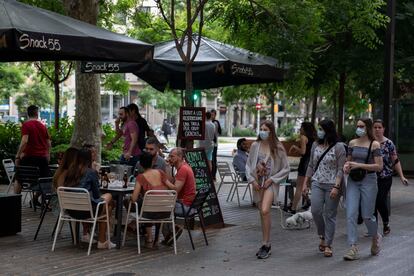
(240, 158)
(184, 185)
(158, 163)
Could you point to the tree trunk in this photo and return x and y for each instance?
(88, 124)
(341, 100)
(335, 108)
(57, 92)
(272, 105)
(188, 85)
(314, 103)
(185, 143)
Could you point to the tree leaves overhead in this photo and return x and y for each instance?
(11, 79)
(318, 39)
(169, 101)
(35, 92)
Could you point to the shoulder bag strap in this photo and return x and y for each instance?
(322, 156)
(369, 152)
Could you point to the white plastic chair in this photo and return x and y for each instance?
(78, 199)
(155, 201)
(9, 167)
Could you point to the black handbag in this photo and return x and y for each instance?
(359, 174)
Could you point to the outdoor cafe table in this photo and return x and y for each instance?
(118, 194)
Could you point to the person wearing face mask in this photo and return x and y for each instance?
(391, 162)
(266, 166)
(325, 172)
(363, 161)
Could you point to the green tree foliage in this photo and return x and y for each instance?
(9, 140)
(12, 77)
(115, 83)
(169, 101)
(318, 39)
(404, 47)
(36, 92)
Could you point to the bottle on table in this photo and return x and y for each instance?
(125, 179)
(105, 180)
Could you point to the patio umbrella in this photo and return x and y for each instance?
(29, 33)
(216, 65)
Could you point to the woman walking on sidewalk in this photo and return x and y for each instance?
(391, 162)
(266, 167)
(307, 137)
(325, 172)
(364, 160)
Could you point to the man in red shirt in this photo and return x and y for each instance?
(185, 187)
(34, 149)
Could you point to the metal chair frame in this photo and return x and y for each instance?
(78, 199)
(155, 201)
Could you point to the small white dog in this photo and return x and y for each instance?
(298, 219)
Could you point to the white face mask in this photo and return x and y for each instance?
(321, 134)
(264, 134)
(360, 131)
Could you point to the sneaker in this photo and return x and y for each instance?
(106, 245)
(352, 254)
(86, 238)
(386, 229)
(264, 252)
(178, 232)
(376, 245)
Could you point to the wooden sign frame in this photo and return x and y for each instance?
(204, 175)
(187, 113)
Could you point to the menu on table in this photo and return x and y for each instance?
(211, 211)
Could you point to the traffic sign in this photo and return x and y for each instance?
(258, 106)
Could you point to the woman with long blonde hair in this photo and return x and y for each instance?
(266, 167)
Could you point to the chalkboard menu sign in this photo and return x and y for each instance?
(192, 123)
(197, 160)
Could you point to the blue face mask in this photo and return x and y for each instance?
(321, 134)
(264, 134)
(360, 131)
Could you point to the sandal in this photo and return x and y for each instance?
(322, 245)
(328, 251)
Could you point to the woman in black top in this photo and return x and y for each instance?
(307, 137)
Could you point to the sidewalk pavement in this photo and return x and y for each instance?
(231, 250)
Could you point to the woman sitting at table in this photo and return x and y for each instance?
(81, 175)
(69, 158)
(150, 179)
